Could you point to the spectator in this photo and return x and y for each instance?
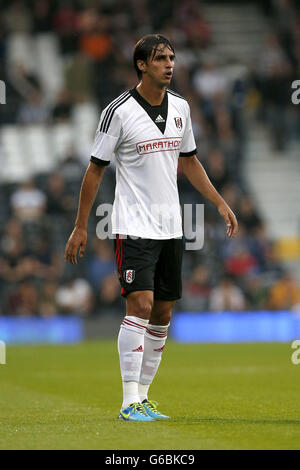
(71, 169)
(226, 297)
(78, 78)
(65, 24)
(28, 202)
(23, 300)
(101, 264)
(217, 170)
(17, 17)
(25, 82)
(42, 16)
(109, 293)
(197, 290)
(231, 193)
(271, 57)
(75, 297)
(248, 215)
(274, 81)
(62, 109)
(59, 200)
(15, 262)
(95, 40)
(284, 294)
(197, 29)
(47, 299)
(273, 267)
(47, 263)
(209, 82)
(256, 292)
(260, 246)
(13, 231)
(241, 262)
(34, 110)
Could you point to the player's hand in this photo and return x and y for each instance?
(76, 241)
(230, 219)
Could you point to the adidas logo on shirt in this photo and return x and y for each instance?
(159, 119)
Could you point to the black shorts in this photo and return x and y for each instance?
(146, 264)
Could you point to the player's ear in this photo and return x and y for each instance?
(142, 65)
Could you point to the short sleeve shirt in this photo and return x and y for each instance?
(146, 142)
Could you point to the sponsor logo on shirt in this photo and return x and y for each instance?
(158, 145)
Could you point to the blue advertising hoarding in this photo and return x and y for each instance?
(228, 327)
(224, 327)
(34, 330)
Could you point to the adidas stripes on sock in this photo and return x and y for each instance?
(154, 343)
(131, 347)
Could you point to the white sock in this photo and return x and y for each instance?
(143, 391)
(155, 339)
(131, 348)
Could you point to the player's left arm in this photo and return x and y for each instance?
(197, 176)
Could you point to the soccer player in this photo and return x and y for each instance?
(149, 130)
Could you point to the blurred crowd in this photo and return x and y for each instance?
(95, 41)
(277, 66)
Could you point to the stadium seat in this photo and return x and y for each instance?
(20, 51)
(15, 168)
(62, 140)
(49, 64)
(86, 115)
(38, 148)
(85, 118)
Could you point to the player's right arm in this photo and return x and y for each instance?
(106, 141)
(89, 188)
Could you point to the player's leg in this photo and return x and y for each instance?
(131, 343)
(168, 287)
(136, 266)
(154, 344)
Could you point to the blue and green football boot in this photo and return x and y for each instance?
(150, 407)
(135, 412)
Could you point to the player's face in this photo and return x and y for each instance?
(160, 66)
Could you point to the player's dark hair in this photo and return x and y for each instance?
(147, 46)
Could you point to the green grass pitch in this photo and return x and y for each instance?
(230, 396)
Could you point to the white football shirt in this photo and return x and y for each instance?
(147, 142)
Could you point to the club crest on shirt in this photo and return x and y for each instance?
(178, 122)
(129, 276)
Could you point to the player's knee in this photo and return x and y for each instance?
(166, 317)
(161, 312)
(161, 316)
(140, 305)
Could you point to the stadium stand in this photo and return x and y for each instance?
(62, 62)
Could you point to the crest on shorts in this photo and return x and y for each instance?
(178, 122)
(129, 276)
